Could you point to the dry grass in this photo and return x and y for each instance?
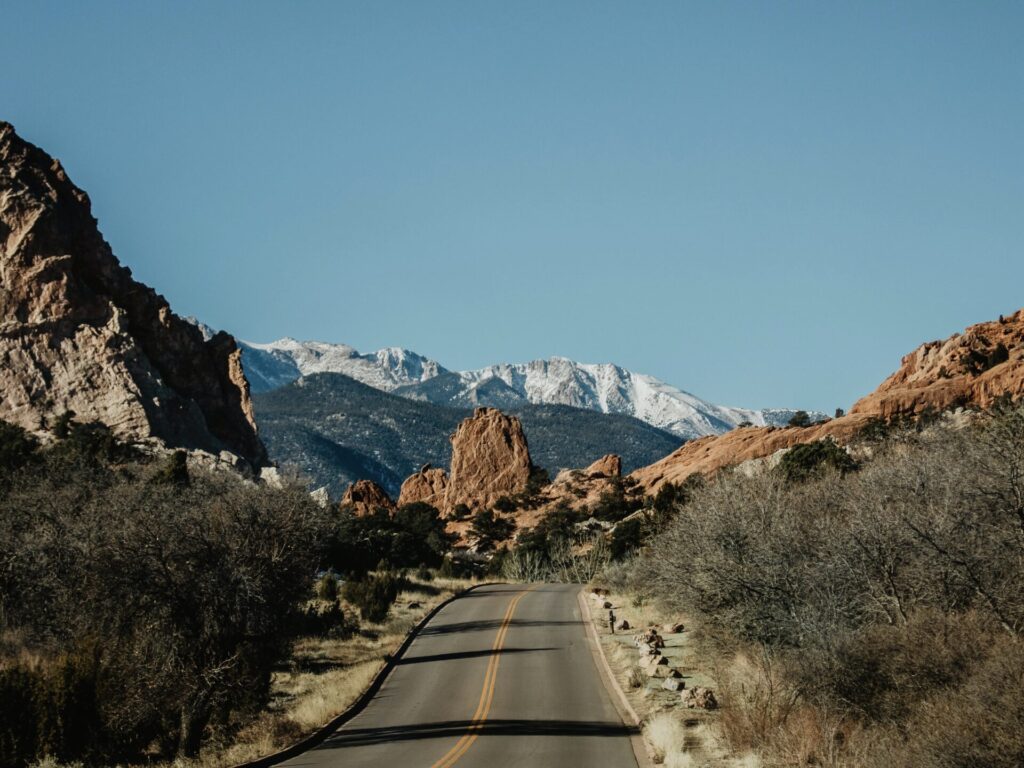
(667, 737)
(680, 760)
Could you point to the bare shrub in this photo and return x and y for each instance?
(636, 678)
(875, 596)
(666, 735)
(173, 600)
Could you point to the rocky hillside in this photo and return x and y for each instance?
(605, 388)
(79, 335)
(968, 370)
(338, 430)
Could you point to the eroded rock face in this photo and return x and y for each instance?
(490, 459)
(365, 496)
(607, 466)
(78, 334)
(429, 485)
(973, 368)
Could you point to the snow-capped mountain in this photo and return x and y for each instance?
(603, 387)
(269, 366)
(609, 388)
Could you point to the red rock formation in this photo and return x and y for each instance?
(365, 496)
(490, 459)
(974, 368)
(78, 334)
(607, 466)
(428, 485)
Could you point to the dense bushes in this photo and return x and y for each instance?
(808, 459)
(488, 528)
(884, 599)
(415, 535)
(152, 609)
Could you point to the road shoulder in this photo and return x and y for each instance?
(618, 697)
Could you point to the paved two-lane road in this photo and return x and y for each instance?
(502, 676)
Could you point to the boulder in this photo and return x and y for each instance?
(699, 698)
(428, 485)
(673, 684)
(673, 629)
(622, 626)
(609, 465)
(365, 496)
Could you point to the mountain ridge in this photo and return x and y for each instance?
(599, 387)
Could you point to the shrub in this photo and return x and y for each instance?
(888, 602)
(321, 620)
(19, 716)
(666, 735)
(373, 596)
(626, 538)
(800, 419)
(173, 470)
(637, 678)
(415, 534)
(189, 592)
(505, 504)
(617, 502)
(808, 459)
(327, 587)
(538, 479)
(488, 529)
(17, 447)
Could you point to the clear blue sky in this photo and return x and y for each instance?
(762, 203)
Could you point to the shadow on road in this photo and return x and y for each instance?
(467, 655)
(482, 626)
(361, 737)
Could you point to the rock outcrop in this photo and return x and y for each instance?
(970, 369)
(490, 459)
(607, 466)
(973, 368)
(429, 485)
(78, 334)
(365, 497)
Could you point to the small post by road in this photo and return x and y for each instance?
(611, 621)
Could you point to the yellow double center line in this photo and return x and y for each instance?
(487, 694)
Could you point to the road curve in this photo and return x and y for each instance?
(501, 676)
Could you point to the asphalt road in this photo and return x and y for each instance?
(502, 676)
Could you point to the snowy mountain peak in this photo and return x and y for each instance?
(272, 365)
(609, 388)
(603, 387)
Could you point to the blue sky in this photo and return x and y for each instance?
(766, 204)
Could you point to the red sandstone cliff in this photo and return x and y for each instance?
(78, 334)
